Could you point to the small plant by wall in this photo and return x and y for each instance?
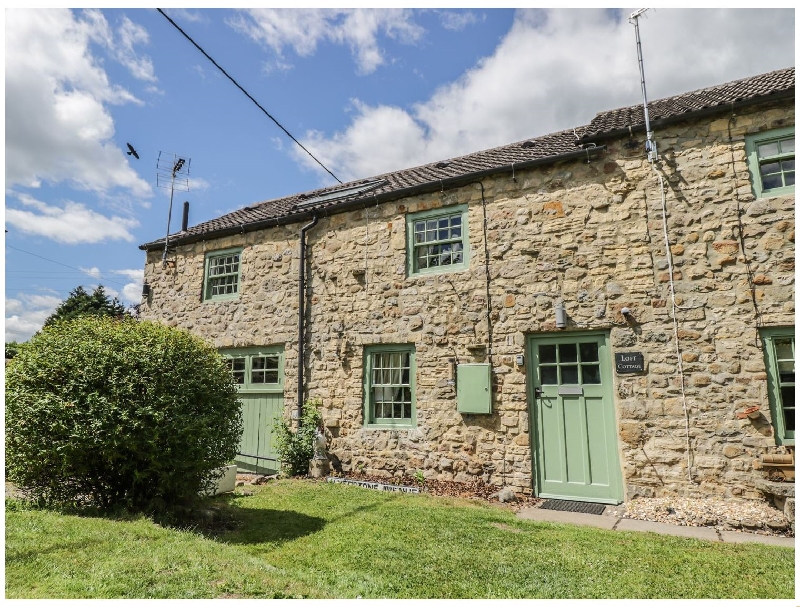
(296, 448)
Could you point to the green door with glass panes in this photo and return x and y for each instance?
(575, 455)
(258, 373)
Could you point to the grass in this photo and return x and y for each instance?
(317, 540)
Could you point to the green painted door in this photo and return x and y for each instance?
(258, 372)
(572, 416)
(256, 451)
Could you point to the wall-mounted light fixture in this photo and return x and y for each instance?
(561, 315)
(145, 290)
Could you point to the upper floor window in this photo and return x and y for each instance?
(779, 358)
(770, 156)
(437, 240)
(222, 272)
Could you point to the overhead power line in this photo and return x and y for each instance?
(249, 96)
(86, 272)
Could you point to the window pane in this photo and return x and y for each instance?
(787, 165)
(589, 352)
(549, 375)
(787, 395)
(770, 182)
(257, 377)
(569, 374)
(784, 349)
(768, 149)
(788, 178)
(258, 362)
(591, 374)
(786, 371)
(568, 353)
(787, 145)
(769, 168)
(547, 354)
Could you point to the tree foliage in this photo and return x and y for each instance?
(81, 303)
(296, 448)
(115, 412)
(13, 348)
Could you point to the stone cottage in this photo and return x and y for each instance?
(559, 315)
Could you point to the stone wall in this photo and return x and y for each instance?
(588, 233)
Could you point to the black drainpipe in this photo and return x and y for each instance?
(301, 322)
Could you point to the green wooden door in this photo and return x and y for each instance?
(572, 417)
(258, 372)
(256, 451)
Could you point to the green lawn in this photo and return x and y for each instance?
(300, 538)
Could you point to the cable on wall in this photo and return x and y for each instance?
(675, 322)
(488, 277)
(739, 212)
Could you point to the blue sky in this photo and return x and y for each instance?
(366, 91)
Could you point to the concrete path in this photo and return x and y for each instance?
(605, 521)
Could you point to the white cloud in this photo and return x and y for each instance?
(132, 291)
(94, 272)
(556, 69)
(129, 35)
(72, 224)
(57, 126)
(457, 20)
(25, 315)
(303, 29)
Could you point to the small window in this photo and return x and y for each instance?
(389, 386)
(256, 369)
(779, 358)
(223, 271)
(437, 240)
(770, 156)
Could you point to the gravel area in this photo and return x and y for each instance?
(737, 515)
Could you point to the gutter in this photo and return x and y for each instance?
(358, 203)
(301, 322)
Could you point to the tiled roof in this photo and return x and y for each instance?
(540, 149)
(719, 96)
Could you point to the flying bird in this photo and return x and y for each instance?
(132, 152)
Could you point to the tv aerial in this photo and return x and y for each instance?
(172, 172)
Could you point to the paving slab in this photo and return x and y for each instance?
(738, 537)
(628, 524)
(572, 518)
(700, 533)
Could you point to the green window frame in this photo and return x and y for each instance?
(223, 271)
(779, 358)
(770, 157)
(256, 369)
(390, 386)
(437, 240)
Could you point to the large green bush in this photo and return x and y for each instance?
(115, 412)
(296, 447)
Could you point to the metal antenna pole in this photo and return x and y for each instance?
(650, 146)
(169, 169)
(169, 218)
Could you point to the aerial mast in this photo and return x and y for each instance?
(650, 145)
(172, 171)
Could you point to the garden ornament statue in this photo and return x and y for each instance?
(319, 444)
